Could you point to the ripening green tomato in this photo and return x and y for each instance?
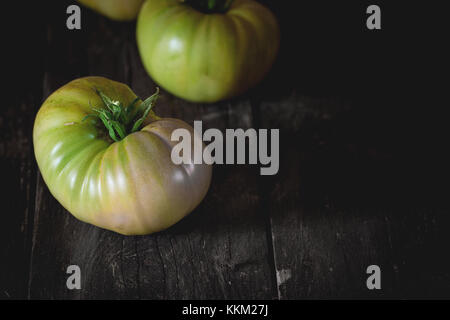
(120, 10)
(206, 57)
(130, 186)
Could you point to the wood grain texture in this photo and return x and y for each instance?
(18, 178)
(352, 189)
(359, 180)
(21, 94)
(339, 204)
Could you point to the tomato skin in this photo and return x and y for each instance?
(207, 57)
(120, 10)
(130, 186)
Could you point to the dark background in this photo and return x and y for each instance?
(363, 177)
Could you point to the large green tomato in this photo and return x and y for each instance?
(206, 57)
(120, 10)
(130, 186)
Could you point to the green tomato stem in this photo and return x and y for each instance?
(120, 121)
(210, 6)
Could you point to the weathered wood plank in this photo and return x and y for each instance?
(22, 78)
(17, 188)
(357, 185)
(346, 197)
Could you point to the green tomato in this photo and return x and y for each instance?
(120, 10)
(130, 186)
(206, 57)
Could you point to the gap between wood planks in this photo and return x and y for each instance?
(276, 281)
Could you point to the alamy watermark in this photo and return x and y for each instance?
(374, 280)
(373, 21)
(73, 21)
(234, 147)
(74, 280)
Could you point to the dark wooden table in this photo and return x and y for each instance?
(344, 198)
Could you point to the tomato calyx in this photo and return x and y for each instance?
(121, 121)
(210, 6)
